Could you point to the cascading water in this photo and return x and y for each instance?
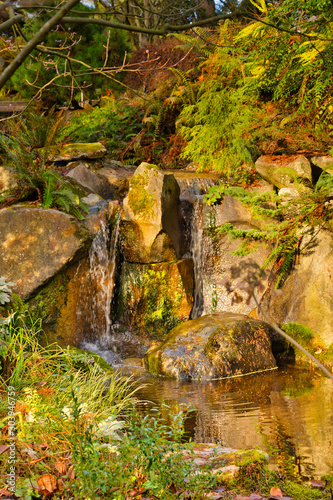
(102, 257)
(197, 256)
(102, 260)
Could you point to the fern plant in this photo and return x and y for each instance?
(216, 125)
(294, 219)
(26, 152)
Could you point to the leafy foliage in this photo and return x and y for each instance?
(115, 124)
(26, 150)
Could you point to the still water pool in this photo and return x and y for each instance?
(287, 413)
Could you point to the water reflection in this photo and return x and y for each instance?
(288, 413)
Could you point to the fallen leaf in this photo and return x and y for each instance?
(3, 448)
(47, 484)
(5, 493)
(276, 492)
(136, 492)
(318, 484)
(70, 473)
(60, 485)
(60, 466)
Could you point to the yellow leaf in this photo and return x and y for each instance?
(261, 5)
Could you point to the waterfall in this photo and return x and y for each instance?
(102, 258)
(197, 256)
(102, 272)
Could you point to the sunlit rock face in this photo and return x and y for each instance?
(213, 346)
(286, 171)
(151, 229)
(307, 294)
(35, 244)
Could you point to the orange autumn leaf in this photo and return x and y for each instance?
(276, 492)
(47, 484)
(60, 466)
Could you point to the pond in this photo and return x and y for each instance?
(287, 413)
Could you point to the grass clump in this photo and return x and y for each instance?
(78, 433)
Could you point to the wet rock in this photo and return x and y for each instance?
(78, 151)
(105, 182)
(213, 254)
(154, 298)
(36, 244)
(151, 229)
(286, 171)
(307, 294)
(8, 179)
(213, 346)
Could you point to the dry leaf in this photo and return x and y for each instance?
(5, 493)
(3, 448)
(47, 484)
(136, 492)
(71, 473)
(276, 492)
(60, 485)
(60, 466)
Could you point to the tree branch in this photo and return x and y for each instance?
(14, 20)
(38, 38)
(166, 28)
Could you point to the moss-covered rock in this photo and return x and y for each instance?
(213, 346)
(77, 151)
(286, 171)
(151, 228)
(154, 298)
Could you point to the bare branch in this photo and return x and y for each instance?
(14, 20)
(38, 38)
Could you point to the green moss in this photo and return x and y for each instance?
(46, 305)
(141, 202)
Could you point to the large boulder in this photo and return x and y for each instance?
(108, 183)
(286, 171)
(213, 346)
(151, 229)
(154, 298)
(307, 294)
(35, 244)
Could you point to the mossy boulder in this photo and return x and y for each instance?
(78, 151)
(36, 244)
(214, 346)
(151, 229)
(154, 298)
(286, 171)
